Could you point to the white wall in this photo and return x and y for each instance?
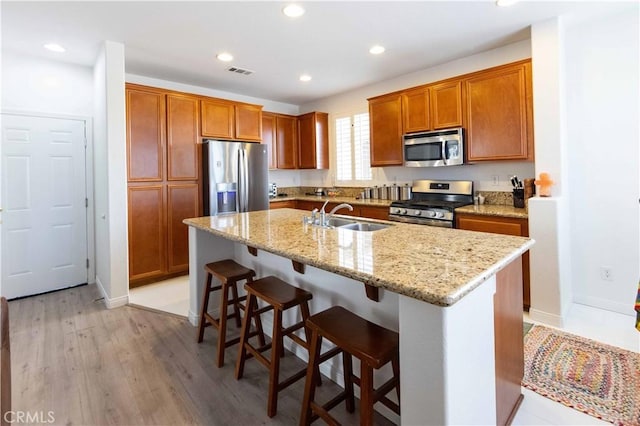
(112, 272)
(603, 97)
(31, 84)
(101, 175)
(39, 86)
(356, 101)
(549, 224)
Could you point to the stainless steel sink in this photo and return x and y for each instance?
(355, 225)
(337, 222)
(364, 226)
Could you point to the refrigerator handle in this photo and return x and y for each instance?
(239, 185)
(243, 181)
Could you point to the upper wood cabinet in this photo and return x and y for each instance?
(446, 105)
(269, 138)
(218, 119)
(146, 135)
(313, 141)
(287, 142)
(432, 107)
(224, 119)
(499, 123)
(248, 122)
(296, 142)
(183, 124)
(494, 106)
(416, 114)
(385, 117)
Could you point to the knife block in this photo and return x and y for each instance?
(518, 198)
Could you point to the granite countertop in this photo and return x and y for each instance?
(435, 265)
(494, 210)
(338, 199)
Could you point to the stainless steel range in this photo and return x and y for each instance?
(433, 202)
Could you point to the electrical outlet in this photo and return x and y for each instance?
(606, 273)
(496, 180)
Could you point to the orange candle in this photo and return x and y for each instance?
(544, 184)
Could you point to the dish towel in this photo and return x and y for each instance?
(638, 308)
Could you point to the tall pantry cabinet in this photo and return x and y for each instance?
(163, 158)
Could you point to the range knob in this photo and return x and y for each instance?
(439, 215)
(403, 211)
(417, 212)
(431, 214)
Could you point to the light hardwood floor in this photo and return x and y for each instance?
(129, 366)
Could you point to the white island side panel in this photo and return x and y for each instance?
(447, 364)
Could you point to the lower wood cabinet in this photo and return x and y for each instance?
(158, 240)
(504, 226)
(375, 212)
(371, 212)
(509, 352)
(289, 204)
(182, 203)
(147, 235)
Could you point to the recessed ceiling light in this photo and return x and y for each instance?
(376, 50)
(305, 77)
(225, 57)
(505, 3)
(54, 47)
(293, 11)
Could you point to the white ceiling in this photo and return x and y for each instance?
(178, 41)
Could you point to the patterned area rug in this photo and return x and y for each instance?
(600, 380)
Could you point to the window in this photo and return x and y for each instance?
(352, 148)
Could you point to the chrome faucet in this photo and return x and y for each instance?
(325, 221)
(321, 218)
(323, 215)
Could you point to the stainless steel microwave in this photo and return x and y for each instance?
(434, 149)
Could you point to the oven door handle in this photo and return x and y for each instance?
(416, 221)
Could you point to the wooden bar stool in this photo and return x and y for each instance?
(229, 273)
(373, 345)
(279, 296)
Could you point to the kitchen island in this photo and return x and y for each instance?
(435, 286)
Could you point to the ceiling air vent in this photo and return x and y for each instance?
(239, 71)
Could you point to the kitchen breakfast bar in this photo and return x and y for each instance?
(454, 296)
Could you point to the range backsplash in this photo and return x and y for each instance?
(491, 197)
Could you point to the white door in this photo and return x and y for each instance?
(44, 229)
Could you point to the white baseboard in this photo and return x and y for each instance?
(607, 305)
(194, 318)
(108, 302)
(546, 318)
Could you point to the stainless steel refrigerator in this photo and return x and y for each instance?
(235, 177)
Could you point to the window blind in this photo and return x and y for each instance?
(352, 148)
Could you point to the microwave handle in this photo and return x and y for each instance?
(444, 150)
